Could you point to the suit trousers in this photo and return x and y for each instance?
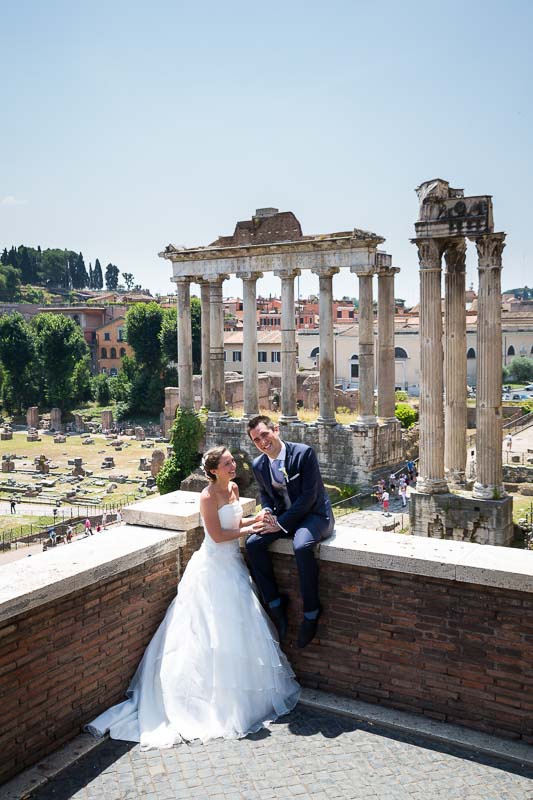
(310, 532)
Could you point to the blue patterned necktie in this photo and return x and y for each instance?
(277, 472)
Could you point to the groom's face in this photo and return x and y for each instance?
(266, 439)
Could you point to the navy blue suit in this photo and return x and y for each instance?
(308, 520)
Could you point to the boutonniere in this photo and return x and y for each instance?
(284, 473)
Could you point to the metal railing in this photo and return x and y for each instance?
(33, 533)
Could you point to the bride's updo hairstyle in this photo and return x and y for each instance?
(211, 460)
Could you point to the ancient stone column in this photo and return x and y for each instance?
(250, 372)
(488, 484)
(386, 365)
(455, 364)
(205, 342)
(185, 343)
(326, 397)
(431, 465)
(288, 346)
(366, 349)
(217, 403)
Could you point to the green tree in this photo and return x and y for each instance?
(143, 326)
(129, 280)
(9, 282)
(519, 370)
(17, 355)
(185, 437)
(81, 381)
(111, 276)
(406, 415)
(169, 334)
(101, 390)
(98, 279)
(60, 345)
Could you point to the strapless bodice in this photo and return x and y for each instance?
(230, 516)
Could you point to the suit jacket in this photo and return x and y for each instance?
(304, 485)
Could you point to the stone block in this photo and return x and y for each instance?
(461, 518)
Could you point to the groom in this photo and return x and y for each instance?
(295, 505)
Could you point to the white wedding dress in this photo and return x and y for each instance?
(214, 667)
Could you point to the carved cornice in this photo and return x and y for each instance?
(455, 255)
(213, 280)
(489, 250)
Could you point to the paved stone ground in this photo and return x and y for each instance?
(307, 755)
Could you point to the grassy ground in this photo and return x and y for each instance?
(36, 511)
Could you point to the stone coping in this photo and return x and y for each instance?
(482, 564)
(177, 511)
(31, 582)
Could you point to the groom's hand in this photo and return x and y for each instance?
(269, 524)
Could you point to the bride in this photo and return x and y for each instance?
(214, 667)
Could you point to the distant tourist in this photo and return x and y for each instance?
(385, 500)
(52, 535)
(13, 504)
(508, 441)
(403, 494)
(69, 534)
(88, 527)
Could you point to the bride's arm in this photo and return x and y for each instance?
(209, 512)
(247, 523)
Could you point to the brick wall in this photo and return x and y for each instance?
(451, 651)
(66, 661)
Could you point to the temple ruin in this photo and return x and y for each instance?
(441, 506)
(273, 242)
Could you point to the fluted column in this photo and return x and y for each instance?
(206, 342)
(217, 403)
(455, 364)
(386, 365)
(250, 372)
(288, 346)
(488, 484)
(327, 355)
(367, 413)
(431, 465)
(185, 343)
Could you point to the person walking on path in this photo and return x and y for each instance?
(88, 527)
(509, 442)
(385, 501)
(13, 505)
(403, 494)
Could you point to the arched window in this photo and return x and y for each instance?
(122, 352)
(510, 351)
(314, 352)
(399, 352)
(471, 353)
(103, 352)
(354, 366)
(113, 352)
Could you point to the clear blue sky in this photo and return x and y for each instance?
(129, 125)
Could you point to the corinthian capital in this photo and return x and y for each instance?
(455, 255)
(490, 249)
(429, 253)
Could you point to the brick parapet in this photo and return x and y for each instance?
(437, 627)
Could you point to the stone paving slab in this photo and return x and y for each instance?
(307, 755)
